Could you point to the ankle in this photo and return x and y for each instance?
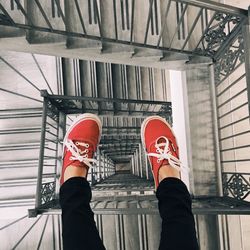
(167, 171)
(73, 171)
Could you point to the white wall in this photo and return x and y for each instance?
(180, 118)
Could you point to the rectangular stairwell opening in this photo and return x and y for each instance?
(120, 143)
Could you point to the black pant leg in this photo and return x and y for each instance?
(78, 226)
(178, 226)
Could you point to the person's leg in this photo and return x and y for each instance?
(78, 226)
(178, 227)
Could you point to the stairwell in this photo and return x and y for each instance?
(110, 58)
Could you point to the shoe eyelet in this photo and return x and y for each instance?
(77, 143)
(87, 145)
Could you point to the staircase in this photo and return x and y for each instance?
(160, 33)
(110, 58)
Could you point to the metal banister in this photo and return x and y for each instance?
(219, 7)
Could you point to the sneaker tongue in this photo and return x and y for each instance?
(161, 140)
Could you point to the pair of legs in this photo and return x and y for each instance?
(79, 229)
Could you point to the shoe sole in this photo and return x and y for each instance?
(143, 126)
(79, 119)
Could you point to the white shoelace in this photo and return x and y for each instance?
(165, 153)
(79, 155)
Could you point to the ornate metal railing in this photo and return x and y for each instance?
(232, 57)
(49, 156)
(232, 97)
(236, 185)
(192, 27)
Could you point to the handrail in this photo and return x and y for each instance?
(225, 8)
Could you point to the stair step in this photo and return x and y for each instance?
(52, 21)
(104, 85)
(120, 87)
(118, 57)
(29, 122)
(9, 147)
(88, 82)
(78, 20)
(112, 27)
(29, 136)
(6, 31)
(71, 78)
(144, 30)
(24, 154)
(112, 50)
(13, 114)
(21, 191)
(84, 45)
(147, 55)
(122, 190)
(13, 14)
(19, 163)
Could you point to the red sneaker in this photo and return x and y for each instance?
(160, 144)
(80, 142)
